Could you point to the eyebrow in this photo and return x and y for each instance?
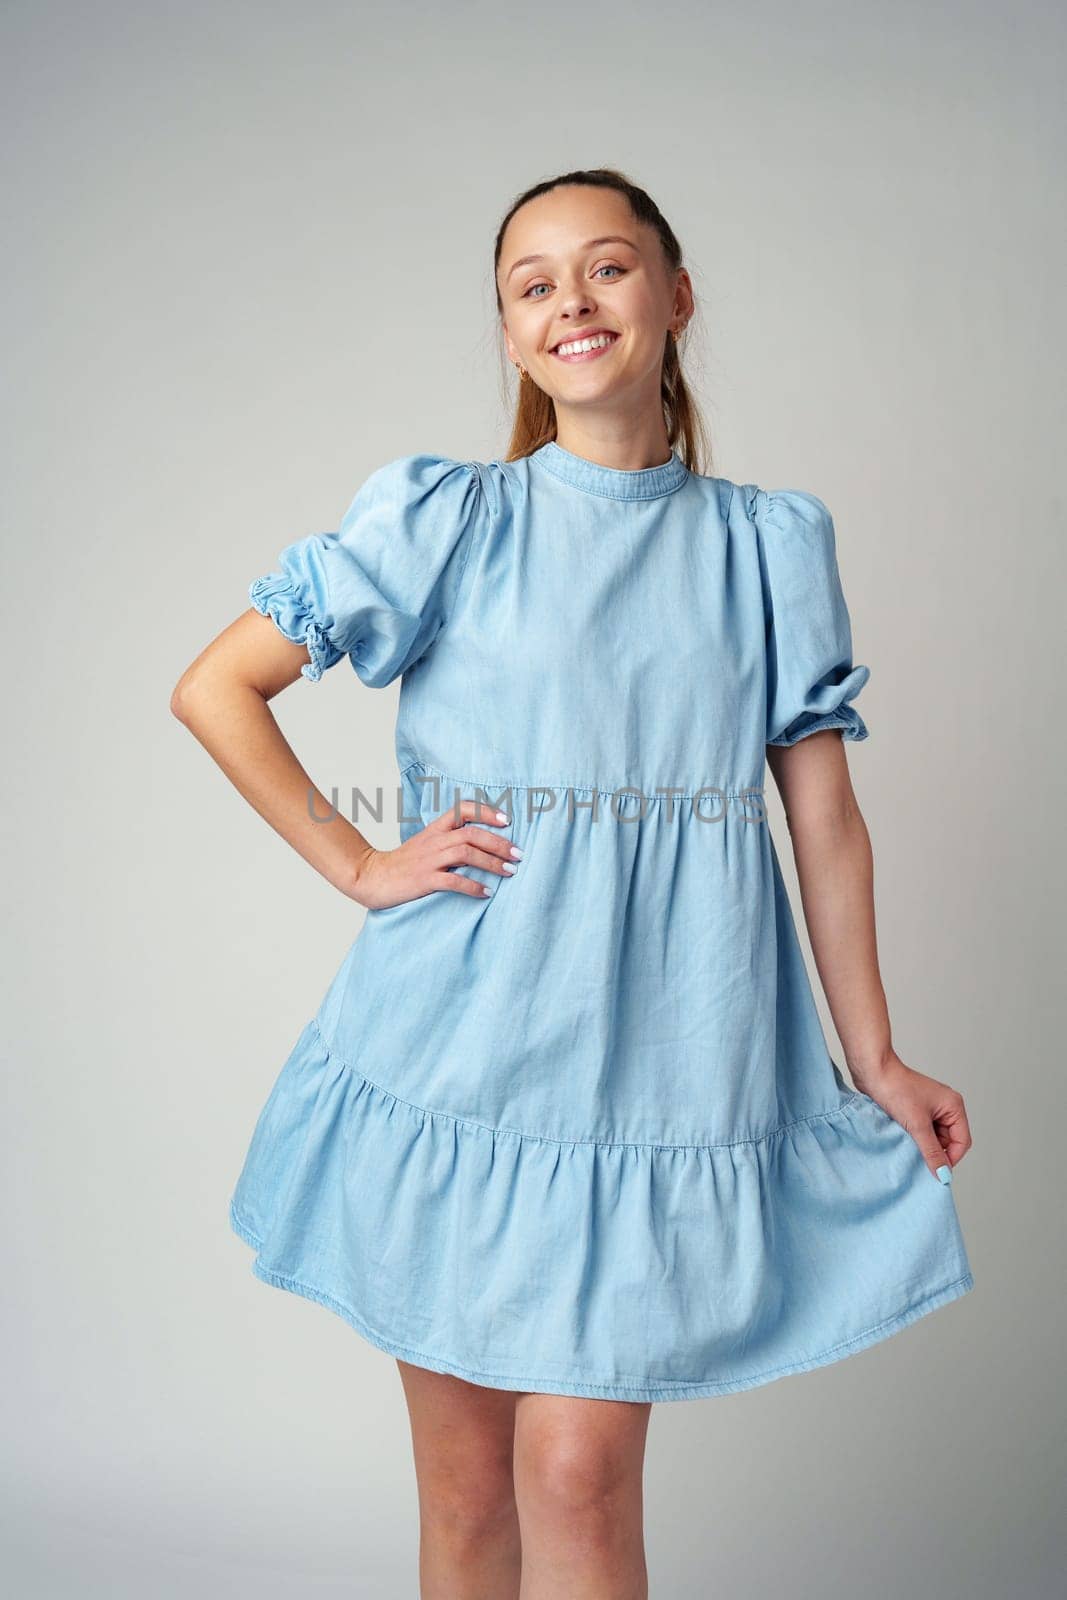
(609, 238)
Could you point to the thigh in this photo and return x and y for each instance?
(462, 1433)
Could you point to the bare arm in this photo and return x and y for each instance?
(222, 698)
(835, 873)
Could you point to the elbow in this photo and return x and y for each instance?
(177, 700)
(204, 691)
(831, 816)
(184, 695)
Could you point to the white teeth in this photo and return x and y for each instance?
(597, 342)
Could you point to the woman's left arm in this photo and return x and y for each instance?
(835, 872)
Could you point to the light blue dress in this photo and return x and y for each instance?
(584, 1135)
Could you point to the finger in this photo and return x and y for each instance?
(458, 884)
(933, 1153)
(469, 811)
(495, 843)
(463, 852)
(954, 1132)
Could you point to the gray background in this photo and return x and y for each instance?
(248, 261)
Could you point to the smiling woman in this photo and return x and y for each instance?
(561, 282)
(581, 1141)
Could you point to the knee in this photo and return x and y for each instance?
(468, 1513)
(574, 1479)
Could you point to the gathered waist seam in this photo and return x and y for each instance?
(671, 791)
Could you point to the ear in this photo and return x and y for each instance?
(684, 302)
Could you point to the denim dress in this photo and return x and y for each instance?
(583, 1135)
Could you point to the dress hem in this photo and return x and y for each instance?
(682, 1389)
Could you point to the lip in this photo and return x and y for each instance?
(585, 355)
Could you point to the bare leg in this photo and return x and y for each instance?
(463, 1439)
(579, 1466)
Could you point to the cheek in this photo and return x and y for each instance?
(655, 311)
(645, 316)
(529, 327)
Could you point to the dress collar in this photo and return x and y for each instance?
(615, 483)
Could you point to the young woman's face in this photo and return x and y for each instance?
(597, 269)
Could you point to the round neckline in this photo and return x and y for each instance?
(615, 483)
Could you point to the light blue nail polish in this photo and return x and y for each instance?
(945, 1174)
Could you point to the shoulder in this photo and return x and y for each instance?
(424, 490)
(421, 474)
(503, 486)
(790, 525)
(785, 509)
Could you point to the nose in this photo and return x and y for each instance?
(577, 301)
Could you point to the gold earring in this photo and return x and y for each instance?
(522, 371)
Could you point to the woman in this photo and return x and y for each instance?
(580, 1145)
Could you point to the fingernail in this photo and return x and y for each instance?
(945, 1174)
(502, 816)
(516, 852)
(508, 866)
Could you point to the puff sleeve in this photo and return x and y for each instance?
(381, 587)
(811, 677)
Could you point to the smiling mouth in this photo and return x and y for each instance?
(584, 349)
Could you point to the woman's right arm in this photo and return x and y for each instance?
(222, 698)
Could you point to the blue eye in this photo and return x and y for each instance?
(529, 293)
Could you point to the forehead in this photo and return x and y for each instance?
(568, 221)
